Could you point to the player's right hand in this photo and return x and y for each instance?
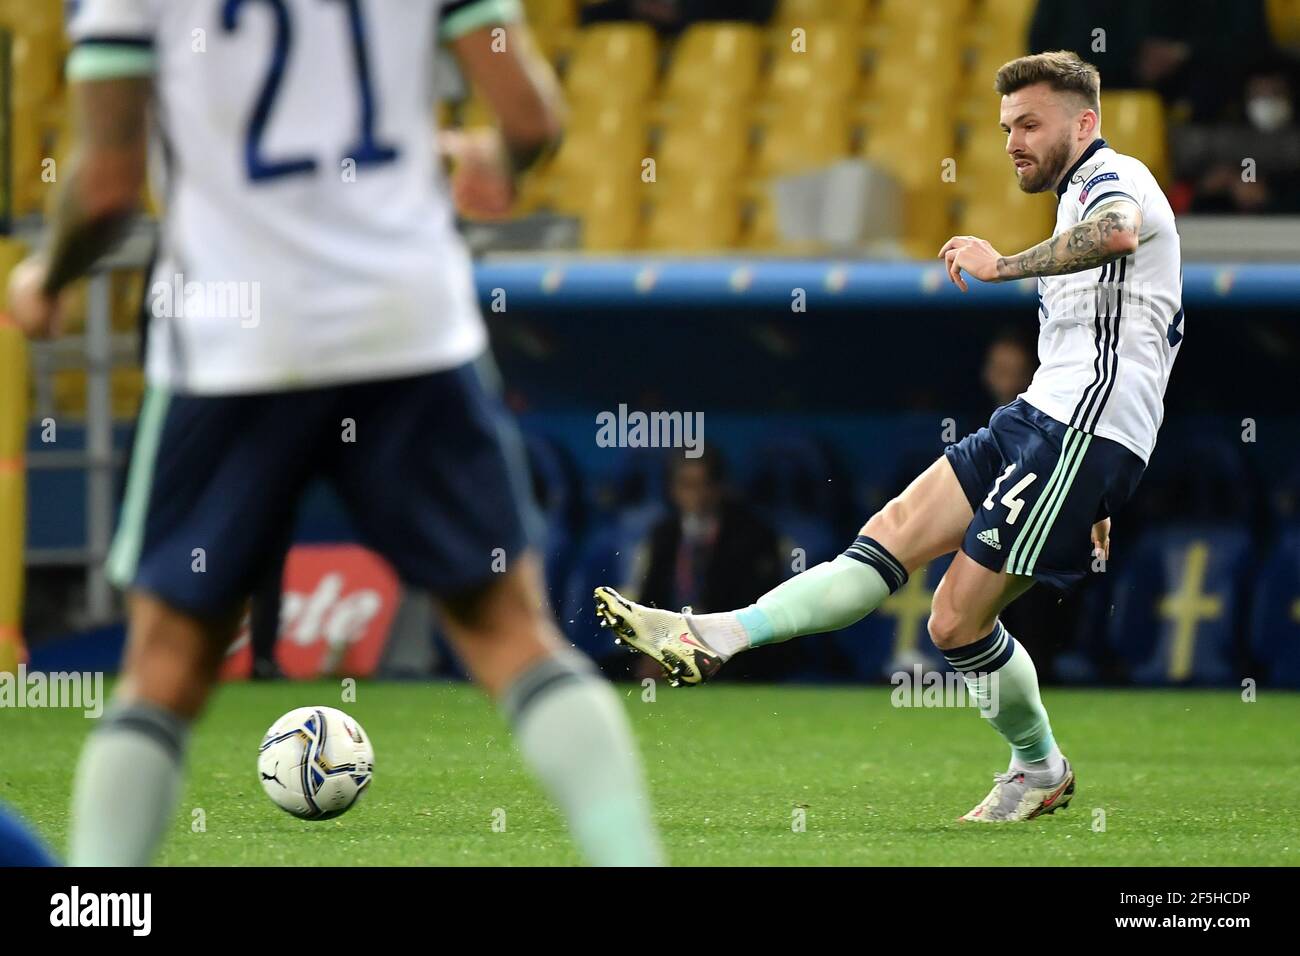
(1101, 539)
(481, 184)
(37, 313)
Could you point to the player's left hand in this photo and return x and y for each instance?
(481, 184)
(36, 312)
(1101, 539)
(972, 255)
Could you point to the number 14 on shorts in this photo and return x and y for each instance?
(1012, 498)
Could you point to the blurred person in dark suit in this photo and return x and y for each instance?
(710, 551)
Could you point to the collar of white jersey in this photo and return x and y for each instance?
(1064, 184)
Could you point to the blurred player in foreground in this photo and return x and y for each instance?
(304, 181)
(1020, 500)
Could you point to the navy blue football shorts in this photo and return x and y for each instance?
(1037, 486)
(430, 468)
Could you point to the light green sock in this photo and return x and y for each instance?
(827, 597)
(1009, 697)
(573, 732)
(127, 784)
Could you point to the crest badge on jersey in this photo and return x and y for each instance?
(1104, 177)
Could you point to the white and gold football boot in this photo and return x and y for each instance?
(665, 636)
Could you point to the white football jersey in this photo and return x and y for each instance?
(1108, 337)
(307, 236)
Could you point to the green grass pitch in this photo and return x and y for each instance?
(1182, 777)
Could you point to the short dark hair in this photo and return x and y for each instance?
(1062, 70)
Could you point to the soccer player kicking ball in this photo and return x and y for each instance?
(303, 173)
(1020, 499)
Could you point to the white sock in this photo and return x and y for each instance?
(722, 632)
(1042, 773)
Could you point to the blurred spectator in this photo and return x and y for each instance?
(1106, 33)
(712, 552)
(1009, 365)
(1196, 55)
(1262, 128)
(1199, 54)
(673, 16)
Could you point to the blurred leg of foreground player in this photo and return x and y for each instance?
(366, 327)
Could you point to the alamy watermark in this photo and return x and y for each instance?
(215, 300)
(83, 690)
(922, 688)
(624, 429)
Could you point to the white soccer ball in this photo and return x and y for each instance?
(315, 762)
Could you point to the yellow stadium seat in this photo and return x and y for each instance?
(1284, 22)
(555, 43)
(899, 13)
(126, 388)
(475, 112)
(33, 16)
(822, 61)
(703, 216)
(917, 146)
(802, 137)
(26, 149)
(926, 64)
(607, 145)
(759, 230)
(128, 290)
(983, 160)
(1011, 220)
(715, 62)
(810, 11)
(68, 389)
(1133, 122)
(613, 62)
(551, 13)
(37, 66)
(1003, 18)
(611, 214)
(713, 141)
(979, 101)
(609, 123)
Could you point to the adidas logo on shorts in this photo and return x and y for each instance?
(990, 537)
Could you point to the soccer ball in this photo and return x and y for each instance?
(315, 762)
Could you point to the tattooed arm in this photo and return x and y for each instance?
(1111, 232)
(97, 197)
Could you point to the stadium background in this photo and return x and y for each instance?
(772, 270)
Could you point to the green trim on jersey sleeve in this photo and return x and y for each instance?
(482, 13)
(109, 61)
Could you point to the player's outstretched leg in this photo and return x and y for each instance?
(568, 723)
(1001, 677)
(925, 521)
(129, 777)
